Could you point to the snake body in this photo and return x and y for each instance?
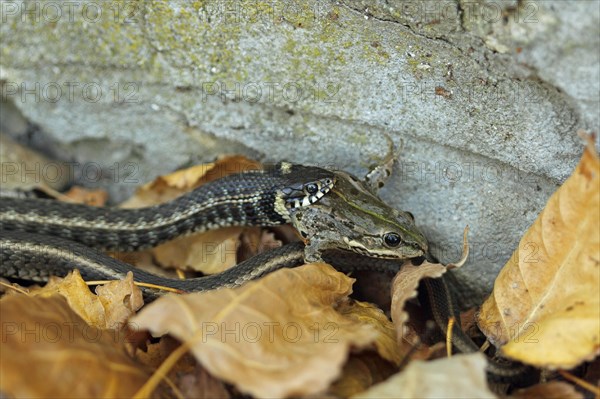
(35, 257)
(252, 198)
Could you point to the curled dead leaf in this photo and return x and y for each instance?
(404, 288)
(84, 196)
(275, 337)
(211, 252)
(545, 305)
(114, 303)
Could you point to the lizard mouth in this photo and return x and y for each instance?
(386, 254)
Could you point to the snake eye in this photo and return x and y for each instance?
(311, 188)
(392, 239)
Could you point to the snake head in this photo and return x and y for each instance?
(302, 185)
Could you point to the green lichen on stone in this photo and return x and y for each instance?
(421, 61)
(358, 138)
(311, 60)
(198, 38)
(89, 33)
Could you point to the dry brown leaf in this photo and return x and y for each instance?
(550, 390)
(115, 303)
(81, 195)
(275, 337)
(214, 251)
(200, 384)
(545, 304)
(361, 372)
(187, 376)
(152, 356)
(49, 351)
(460, 376)
(255, 241)
(365, 313)
(120, 299)
(211, 252)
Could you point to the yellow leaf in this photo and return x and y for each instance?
(211, 252)
(275, 337)
(115, 303)
(120, 300)
(545, 305)
(47, 350)
(359, 373)
(365, 313)
(460, 376)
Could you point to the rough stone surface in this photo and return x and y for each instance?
(486, 96)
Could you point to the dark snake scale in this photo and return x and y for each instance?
(253, 198)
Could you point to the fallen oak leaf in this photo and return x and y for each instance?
(120, 299)
(545, 305)
(19, 163)
(200, 384)
(458, 376)
(255, 241)
(49, 351)
(187, 378)
(275, 337)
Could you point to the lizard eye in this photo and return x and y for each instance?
(392, 239)
(311, 188)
